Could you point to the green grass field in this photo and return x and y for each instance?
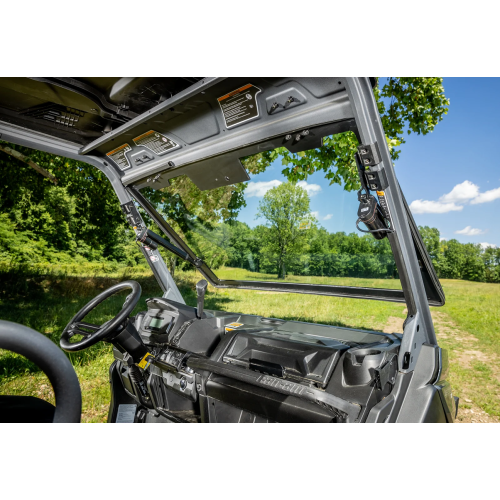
(468, 326)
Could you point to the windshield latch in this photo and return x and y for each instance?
(369, 154)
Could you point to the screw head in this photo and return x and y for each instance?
(288, 137)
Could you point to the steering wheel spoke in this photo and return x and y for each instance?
(77, 328)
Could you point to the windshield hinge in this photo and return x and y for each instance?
(133, 216)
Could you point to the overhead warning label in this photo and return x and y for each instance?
(119, 157)
(156, 142)
(240, 105)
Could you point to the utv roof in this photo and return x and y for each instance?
(117, 117)
(145, 131)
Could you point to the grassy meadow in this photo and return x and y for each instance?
(47, 297)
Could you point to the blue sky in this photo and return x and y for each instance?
(450, 177)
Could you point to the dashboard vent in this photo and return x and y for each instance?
(55, 113)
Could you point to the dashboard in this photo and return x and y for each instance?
(228, 367)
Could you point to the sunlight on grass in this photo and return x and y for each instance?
(469, 326)
(231, 273)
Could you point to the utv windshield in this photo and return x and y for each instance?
(269, 230)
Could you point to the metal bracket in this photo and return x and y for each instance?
(386, 374)
(376, 180)
(132, 215)
(369, 154)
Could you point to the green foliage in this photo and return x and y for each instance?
(286, 209)
(78, 218)
(455, 260)
(415, 105)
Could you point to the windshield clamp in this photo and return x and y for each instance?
(369, 154)
(198, 262)
(132, 214)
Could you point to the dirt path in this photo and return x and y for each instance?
(394, 325)
(467, 351)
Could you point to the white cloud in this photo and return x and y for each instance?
(315, 215)
(259, 189)
(484, 246)
(461, 193)
(443, 239)
(328, 217)
(470, 231)
(433, 207)
(487, 196)
(312, 189)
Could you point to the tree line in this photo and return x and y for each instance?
(338, 254)
(455, 260)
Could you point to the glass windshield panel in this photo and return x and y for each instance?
(269, 229)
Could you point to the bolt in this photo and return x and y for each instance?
(288, 137)
(171, 164)
(227, 178)
(306, 132)
(367, 161)
(298, 137)
(363, 151)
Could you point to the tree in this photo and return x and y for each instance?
(406, 105)
(79, 216)
(454, 259)
(473, 268)
(285, 207)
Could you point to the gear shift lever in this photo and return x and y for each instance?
(201, 289)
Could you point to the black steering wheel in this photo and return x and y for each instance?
(52, 361)
(97, 333)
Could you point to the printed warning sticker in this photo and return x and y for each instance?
(240, 105)
(126, 414)
(156, 142)
(119, 157)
